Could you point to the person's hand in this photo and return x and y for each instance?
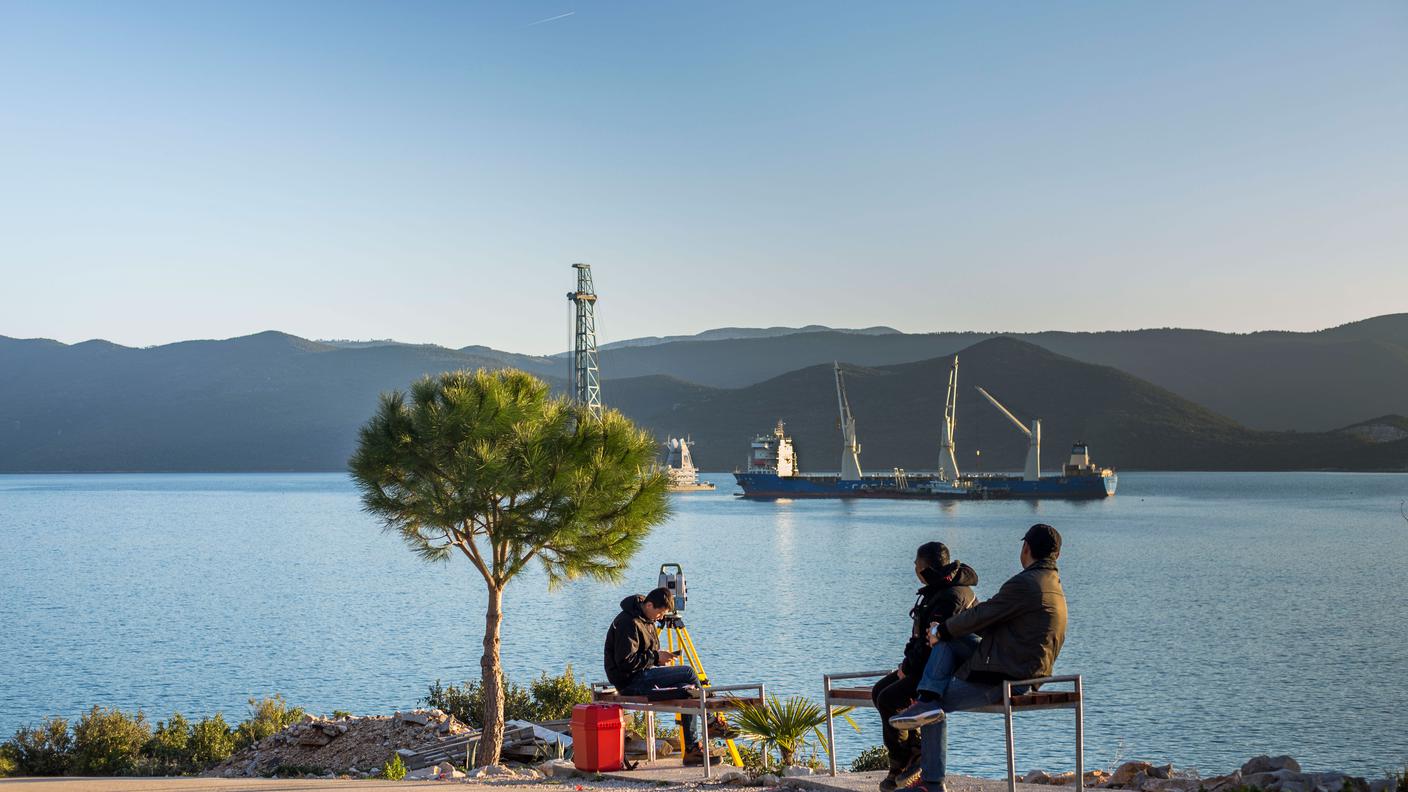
(663, 657)
(933, 633)
(899, 672)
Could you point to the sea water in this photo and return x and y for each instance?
(1214, 616)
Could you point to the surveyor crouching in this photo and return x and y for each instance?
(1022, 629)
(635, 664)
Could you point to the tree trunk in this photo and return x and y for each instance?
(492, 678)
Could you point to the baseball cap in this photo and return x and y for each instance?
(1043, 540)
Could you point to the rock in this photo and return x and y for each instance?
(1280, 781)
(423, 774)
(445, 767)
(796, 771)
(492, 771)
(1335, 782)
(1269, 764)
(1036, 777)
(557, 768)
(418, 718)
(1233, 779)
(315, 738)
(1126, 772)
(768, 780)
(1063, 779)
(1096, 777)
(1161, 771)
(1381, 785)
(732, 775)
(405, 753)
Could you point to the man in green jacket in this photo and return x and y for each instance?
(1022, 629)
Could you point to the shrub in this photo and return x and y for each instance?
(394, 769)
(876, 757)
(170, 745)
(9, 761)
(340, 714)
(555, 696)
(211, 741)
(782, 724)
(267, 716)
(45, 750)
(467, 703)
(1399, 781)
(109, 741)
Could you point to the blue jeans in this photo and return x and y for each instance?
(666, 677)
(954, 695)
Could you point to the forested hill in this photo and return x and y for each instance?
(275, 402)
(1315, 381)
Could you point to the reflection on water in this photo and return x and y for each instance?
(1214, 616)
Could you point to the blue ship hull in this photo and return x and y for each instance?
(925, 487)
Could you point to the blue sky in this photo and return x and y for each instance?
(428, 171)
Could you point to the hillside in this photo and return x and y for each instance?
(1128, 422)
(277, 402)
(1270, 380)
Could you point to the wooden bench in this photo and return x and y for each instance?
(852, 696)
(716, 698)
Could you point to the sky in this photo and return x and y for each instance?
(429, 171)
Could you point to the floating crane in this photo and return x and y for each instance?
(1032, 472)
(850, 449)
(948, 464)
(585, 377)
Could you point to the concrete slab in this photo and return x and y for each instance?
(672, 773)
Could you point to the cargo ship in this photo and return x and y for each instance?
(772, 470)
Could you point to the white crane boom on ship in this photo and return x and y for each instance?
(948, 463)
(850, 449)
(1033, 468)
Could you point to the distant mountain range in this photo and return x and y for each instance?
(273, 401)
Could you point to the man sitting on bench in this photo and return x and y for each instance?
(635, 664)
(1022, 628)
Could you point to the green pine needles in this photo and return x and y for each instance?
(489, 466)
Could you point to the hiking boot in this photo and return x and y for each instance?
(721, 728)
(694, 755)
(920, 713)
(888, 783)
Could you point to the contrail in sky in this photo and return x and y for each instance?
(551, 18)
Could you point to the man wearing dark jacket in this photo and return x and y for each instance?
(635, 663)
(946, 591)
(1022, 628)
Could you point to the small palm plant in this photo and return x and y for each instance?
(784, 725)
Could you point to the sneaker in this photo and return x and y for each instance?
(888, 783)
(909, 774)
(693, 755)
(920, 713)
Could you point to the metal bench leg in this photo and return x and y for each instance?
(649, 736)
(830, 722)
(1011, 746)
(704, 729)
(1080, 738)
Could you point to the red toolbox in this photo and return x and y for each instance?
(598, 738)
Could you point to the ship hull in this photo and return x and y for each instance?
(770, 486)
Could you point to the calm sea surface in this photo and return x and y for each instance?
(1214, 616)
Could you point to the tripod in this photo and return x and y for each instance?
(677, 639)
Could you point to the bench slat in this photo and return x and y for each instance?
(1027, 701)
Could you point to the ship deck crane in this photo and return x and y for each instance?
(1032, 472)
(948, 463)
(850, 449)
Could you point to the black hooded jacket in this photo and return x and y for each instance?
(946, 592)
(631, 642)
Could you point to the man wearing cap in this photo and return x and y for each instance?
(1022, 628)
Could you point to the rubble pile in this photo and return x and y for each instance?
(347, 746)
(1269, 773)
